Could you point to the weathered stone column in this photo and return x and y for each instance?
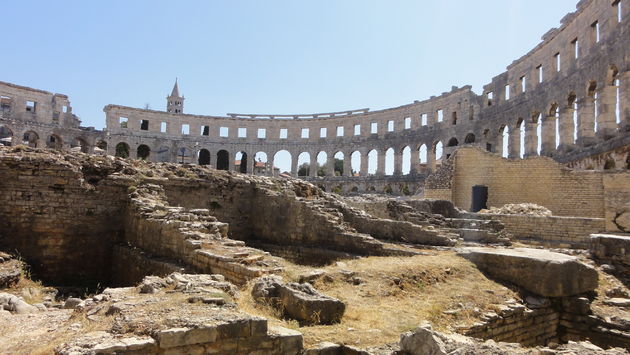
(380, 165)
(312, 165)
(586, 121)
(397, 162)
(271, 171)
(330, 165)
(295, 163)
(347, 164)
(548, 136)
(566, 128)
(606, 116)
(415, 162)
(431, 159)
(514, 142)
(251, 162)
(531, 138)
(231, 161)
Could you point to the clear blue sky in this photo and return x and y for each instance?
(265, 56)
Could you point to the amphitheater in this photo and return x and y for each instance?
(462, 224)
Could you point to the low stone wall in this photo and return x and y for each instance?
(613, 250)
(131, 265)
(518, 324)
(550, 231)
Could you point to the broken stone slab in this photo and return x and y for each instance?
(422, 341)
(15, 304)
(301, 302)
(618, 302)
(539, 271)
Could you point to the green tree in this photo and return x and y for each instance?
(338, 167)
(304, 169)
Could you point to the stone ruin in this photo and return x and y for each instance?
(169, 262)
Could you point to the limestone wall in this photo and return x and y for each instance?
(617, 202)
(551, 231)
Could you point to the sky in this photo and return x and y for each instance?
(272, 56)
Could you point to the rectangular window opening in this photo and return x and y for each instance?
(357, 129)
(390, 126)
(284, 133)
(576, 48)
(617, 6)
(163, 127)
(507, 92)
(424, 119)
(242, 132)
(340, 131)
(262, 133)
(454, 118)
(185, 128)
(205, 130)
(440, 115)
(595, 30)
(123, 122)
(373, 128)
(224, 132)
(144, 125)
(305, 133)
(323, 132)
(64, 109)
(490, 96)
(407, 122)
(523, 81)
(556, 60)
(539, 70)
(31, 106)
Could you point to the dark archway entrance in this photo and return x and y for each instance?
(223, 160)
(143, 151)
(204, 157)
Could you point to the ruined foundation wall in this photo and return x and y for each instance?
(551, 231)
(130, 265)
(617, 202)
(58, 222)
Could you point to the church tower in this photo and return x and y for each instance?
(175, 102)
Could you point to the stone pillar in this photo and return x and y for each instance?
(231, 161)
(270, 168)
(415, 162)
(606, 107)
(586, 121)
(347, 164)
(514, 142)
(330, 165)
(431, 159)
(397, 162)
(548, 136)
(380, 165)
(566, 128)
(624, 98)
(251, 162)
(363, 171)
(531, 139)
(295, 164)
(313, 165)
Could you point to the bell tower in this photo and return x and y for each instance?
(175, 102)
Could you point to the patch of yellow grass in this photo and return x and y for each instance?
(397, 295)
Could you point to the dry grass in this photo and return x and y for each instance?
(397, 294)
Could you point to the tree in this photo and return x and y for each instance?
(338, 167)
(304, 169)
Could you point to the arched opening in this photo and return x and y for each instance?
(163, 155)
(423, 154)
(591, 92)
(223, 160)
(372, 161)
(6, 136)
(469, 139)
(371, 189)
(260, 164)
(143, 152)
(521, 146)
(339, 162)
(283, 160)
(355, 162)
(406, 160)
(304, 164)
(438, 150)
(241, 162)
(354, 189)
(453, 142)
(79, 145)
(54, 142)
(506, 142)
(30, 139)
(203, 157)
(122, 150)
(609, 164)
(322, 161)
(389, 161)
(572, 103)
(613, 80)
(184, 155)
